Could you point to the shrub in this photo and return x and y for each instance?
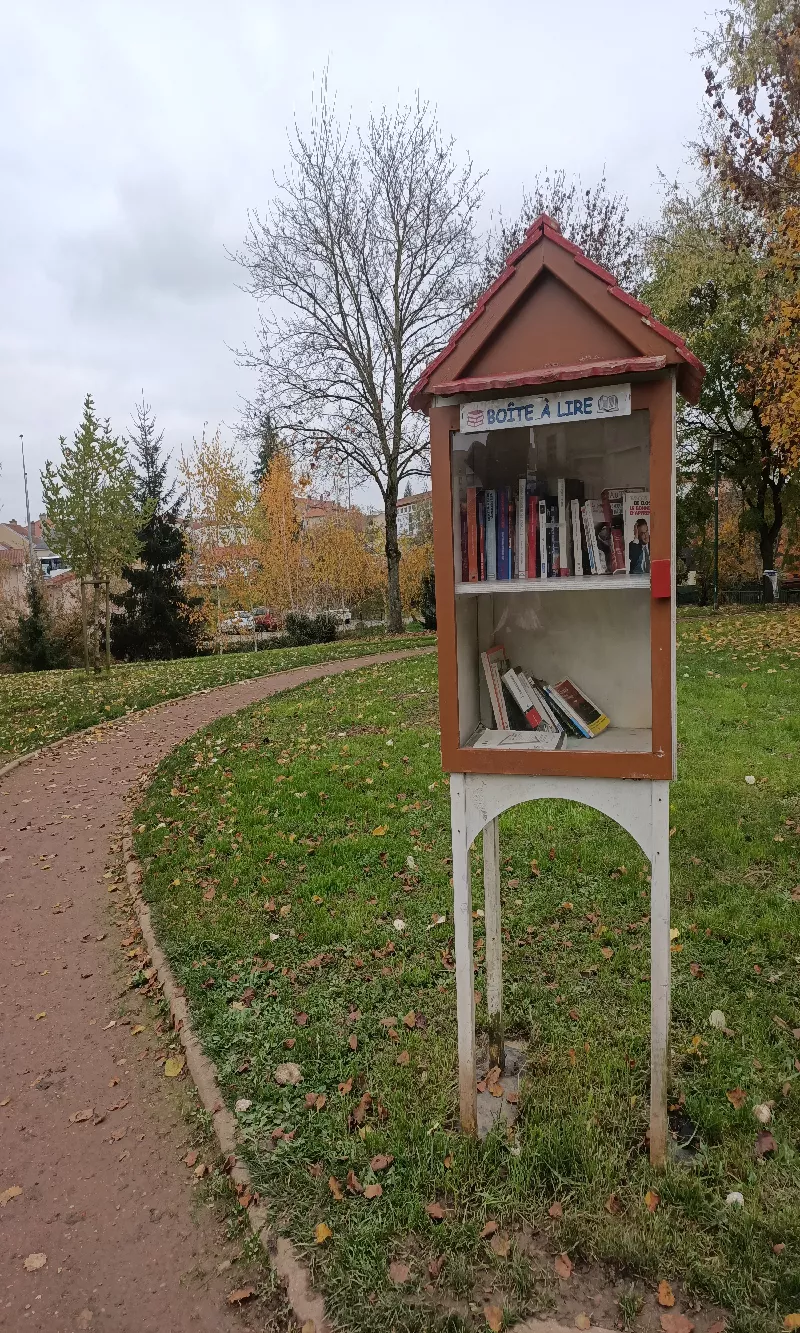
(427, 600)
(32, 644)
(300, 629)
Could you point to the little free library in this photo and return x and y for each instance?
(552, 425)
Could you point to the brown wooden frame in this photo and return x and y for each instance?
(657, 396)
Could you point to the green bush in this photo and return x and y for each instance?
(300, 629)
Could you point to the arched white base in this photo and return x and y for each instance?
(640, 807)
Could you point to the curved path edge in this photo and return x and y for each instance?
(104, 724)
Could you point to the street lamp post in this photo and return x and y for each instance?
(717, 445)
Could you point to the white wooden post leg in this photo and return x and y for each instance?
(660, 962)
(465, 984)
(494, 941)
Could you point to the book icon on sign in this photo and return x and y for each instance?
(475, 417)
(608, 402)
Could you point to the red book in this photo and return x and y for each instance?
(472, 534)
(533, 535)
(464, 555)
(612, 513)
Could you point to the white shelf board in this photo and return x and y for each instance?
(615, 740)
(586, 583)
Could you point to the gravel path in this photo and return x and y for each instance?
(110, 1204)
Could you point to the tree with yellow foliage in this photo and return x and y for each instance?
(278, 542)
(220, 501)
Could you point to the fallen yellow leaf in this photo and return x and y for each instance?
(322, 1232)
(665, 1294)
(12, 1192)
(139, 1028)
(493, 1314)
(174, 1066)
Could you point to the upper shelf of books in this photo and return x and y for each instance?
(548, 508)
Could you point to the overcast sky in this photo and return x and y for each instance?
(133, 138)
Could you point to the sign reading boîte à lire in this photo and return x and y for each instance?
(595, 404)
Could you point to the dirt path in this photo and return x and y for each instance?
(111, 1205)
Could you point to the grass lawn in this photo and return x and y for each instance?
(37, 707)
(283, 846)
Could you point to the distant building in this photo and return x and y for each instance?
(415, 515)
(50, 562)
(313, 513)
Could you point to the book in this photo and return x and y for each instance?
(481, 537)
(543, 539)
(577, 537)
(516, 686)
(472, 534)
(490, 507)
(549, 718)
(518, 740)
(636, 531)
(580, 707)
(599, 534)
(493, 660)
(512, 537)
(588, 537)
(502, 532)
(533, 535)
(565, 716)
(563, 522)
(522, 544)
(612, 512)
(464, 553)
(553, 549)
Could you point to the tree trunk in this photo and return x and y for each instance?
(108, 625)
(95, 613)
(392, 549)
(85, 625)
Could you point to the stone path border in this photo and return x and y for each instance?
(307, 1304)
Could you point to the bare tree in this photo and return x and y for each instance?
(596, 221)
(360, 265)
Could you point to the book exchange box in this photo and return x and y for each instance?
(552, 421)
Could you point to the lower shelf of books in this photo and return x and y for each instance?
(613, 740)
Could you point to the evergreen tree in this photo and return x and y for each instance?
(267, 443)
(157, 618)
(33, 645)
(92, 515)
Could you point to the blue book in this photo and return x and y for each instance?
(490, 506)
(503, 550)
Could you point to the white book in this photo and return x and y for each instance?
(490, 662)
(577, 549)
(563, 522)
(518, 740)
(522, 544)
(543, 538)
(544, 706)
(596, 519)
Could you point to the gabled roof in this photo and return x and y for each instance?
(612, 332)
